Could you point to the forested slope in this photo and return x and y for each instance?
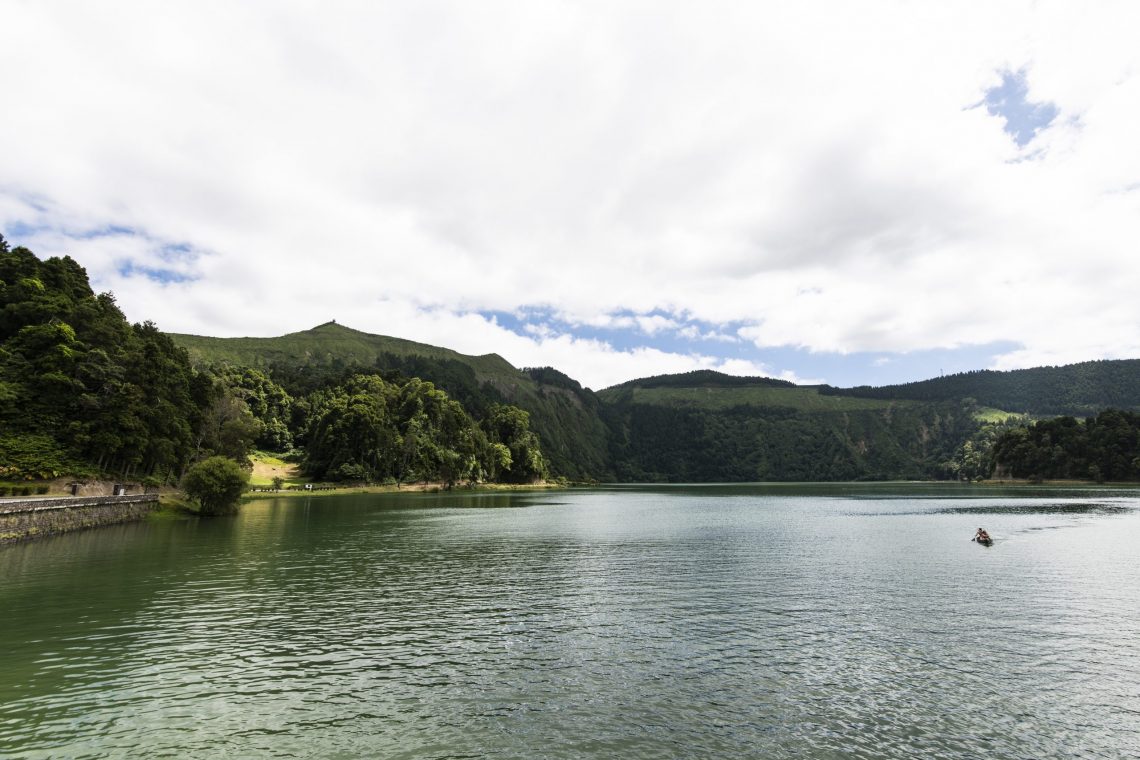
(562, 413)
(83, 390)
(1102, 447)
(710, 427)
(1075, 389)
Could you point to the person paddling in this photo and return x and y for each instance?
(982, 537)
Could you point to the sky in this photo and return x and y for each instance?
(850, 193)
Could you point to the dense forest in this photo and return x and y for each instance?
(563, 415)
(1103, 447)
(781, 437)
(372, 430)
(1076, 389)
(704, 378)
(81, 390)
(85, 393)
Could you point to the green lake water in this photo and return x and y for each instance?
(678, 622)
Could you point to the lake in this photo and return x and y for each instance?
(635, 622)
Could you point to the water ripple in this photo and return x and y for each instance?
(631, 624)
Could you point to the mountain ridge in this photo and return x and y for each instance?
(369, 345)
(940, 388)
(707, 425)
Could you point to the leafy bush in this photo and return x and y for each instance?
(216, 484)
(349, 471)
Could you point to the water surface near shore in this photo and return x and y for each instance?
(752, 621)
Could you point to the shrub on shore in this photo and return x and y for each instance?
(216, 484)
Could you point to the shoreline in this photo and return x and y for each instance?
(440, 488)
(172, 494)
(1061, 483)
(410, 488)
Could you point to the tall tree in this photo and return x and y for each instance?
(509, 426)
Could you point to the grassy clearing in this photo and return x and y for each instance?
(267, 465)
(993, 416)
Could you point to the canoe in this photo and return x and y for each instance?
(985, 541)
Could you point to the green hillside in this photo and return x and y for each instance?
(563, 414)
(711, 390)
(1075, 389)
(801, 398)
(704, 426)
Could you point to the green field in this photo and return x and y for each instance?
(266, 466)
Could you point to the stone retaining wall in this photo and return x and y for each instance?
(31, 518)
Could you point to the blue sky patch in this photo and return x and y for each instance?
(884, 368)
(1010, 100)
(176, 254)
(157, 274)
(16, 232)
(110, 230)
(20, 229)
(694, 337)
(627, 330)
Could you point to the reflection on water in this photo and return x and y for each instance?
(1002, 507)
(669, 622)
(1041, 509)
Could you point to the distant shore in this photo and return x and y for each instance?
(1061, 483)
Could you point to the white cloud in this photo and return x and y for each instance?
(813, 172)
(651, 324)
(693, 332)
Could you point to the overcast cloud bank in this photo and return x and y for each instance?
(666, 186)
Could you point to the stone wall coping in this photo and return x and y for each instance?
(10, 506)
